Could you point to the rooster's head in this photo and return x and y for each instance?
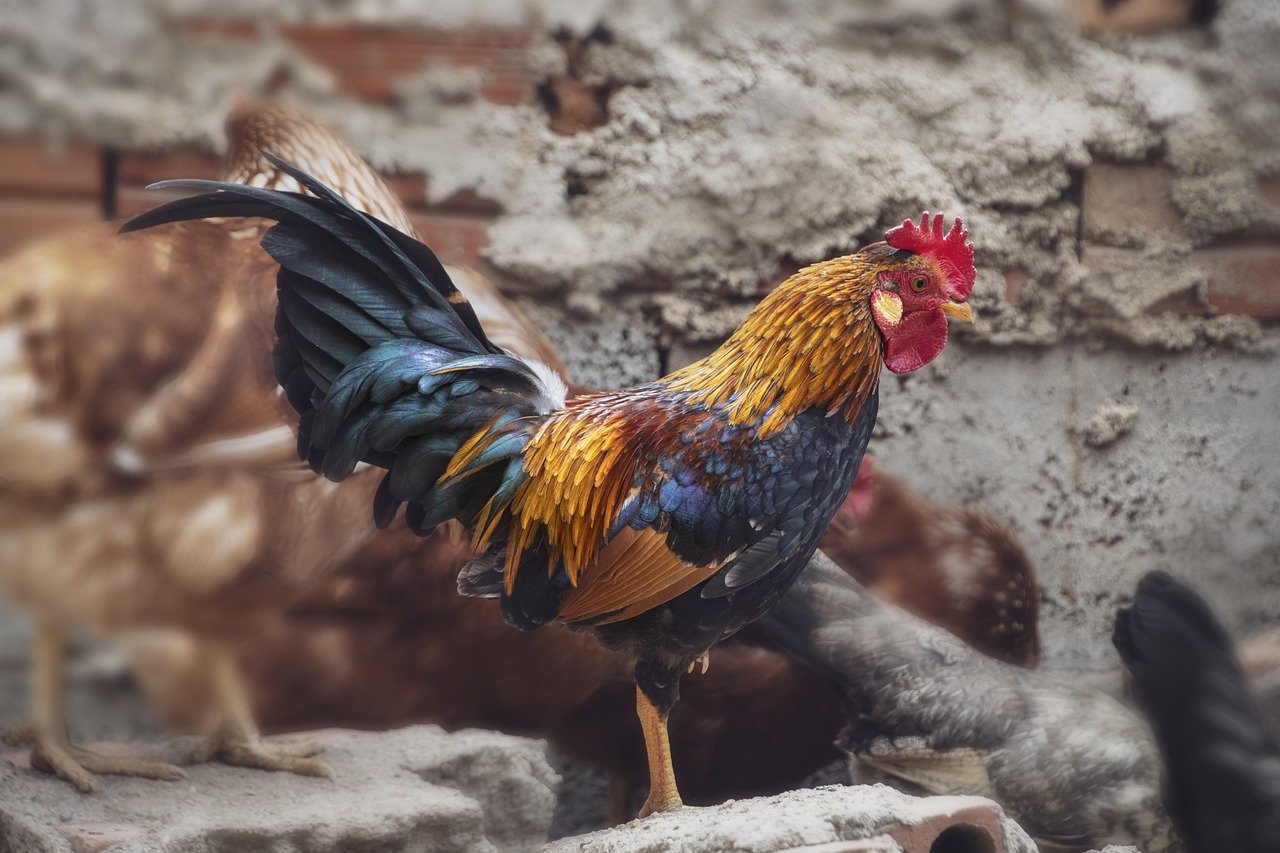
(926, 279)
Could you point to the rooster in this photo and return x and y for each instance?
(148, 476)
(1222, 780)
(661, 519)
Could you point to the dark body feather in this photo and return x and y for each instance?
(1222, 785)
(814, 461)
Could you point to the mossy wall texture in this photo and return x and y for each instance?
(640, 173)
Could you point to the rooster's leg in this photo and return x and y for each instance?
(237, 740)
(656, 694)
(51, 749)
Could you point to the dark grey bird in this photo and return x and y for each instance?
(1076, 768)
(1222, 781)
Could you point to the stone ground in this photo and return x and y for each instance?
(105, 705)
(415, 789)
(1123, 194)
(819, 818)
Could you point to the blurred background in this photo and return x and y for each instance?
(634, 176)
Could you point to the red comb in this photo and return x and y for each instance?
(952, 253)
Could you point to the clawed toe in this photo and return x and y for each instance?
(78, 766)
(285, 757)
(702, 661)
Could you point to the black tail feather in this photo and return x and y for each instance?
(380, 354)
(1223, 788)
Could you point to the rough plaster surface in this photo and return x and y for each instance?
(798, 819)
(745, 139)
(420, 789)
(1110, 422)
(1191, 488)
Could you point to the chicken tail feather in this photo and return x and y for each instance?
(382, 356)
(1223, 786)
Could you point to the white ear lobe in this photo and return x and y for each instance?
(886, 308)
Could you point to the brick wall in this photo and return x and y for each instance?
(1242, 275)
(43, 189)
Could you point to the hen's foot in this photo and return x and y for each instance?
(78, 766)
(237, 742)
(248, 751)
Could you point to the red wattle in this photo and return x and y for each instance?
(915, 341)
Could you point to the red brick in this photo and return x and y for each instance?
(24, 220)
(577, 106)
(28, 165)
(1243, 279)
(456, 239)
(367, 60)
(1124, 197)
(1260, 655)
(1271, 190)
(411, 189)
(1098, 17)
(1014, 280)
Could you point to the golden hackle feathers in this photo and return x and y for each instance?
(579, 467)
(811, 342)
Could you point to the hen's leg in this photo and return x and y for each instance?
(656, 694)
(237, 741)
(51, 749)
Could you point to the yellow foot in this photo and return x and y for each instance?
(78, 766)
(668, 803)
(253, 753)
(703, 660)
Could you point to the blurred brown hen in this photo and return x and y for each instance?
(147, 472)
(953, 566)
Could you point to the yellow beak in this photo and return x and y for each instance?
(958, 311)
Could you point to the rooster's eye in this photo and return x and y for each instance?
(918, 283)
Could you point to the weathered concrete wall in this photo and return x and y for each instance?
(1123, 194)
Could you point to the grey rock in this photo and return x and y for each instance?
(414, 789)
(1110, 422)
(808, 818)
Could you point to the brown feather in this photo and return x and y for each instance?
(633, 573)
